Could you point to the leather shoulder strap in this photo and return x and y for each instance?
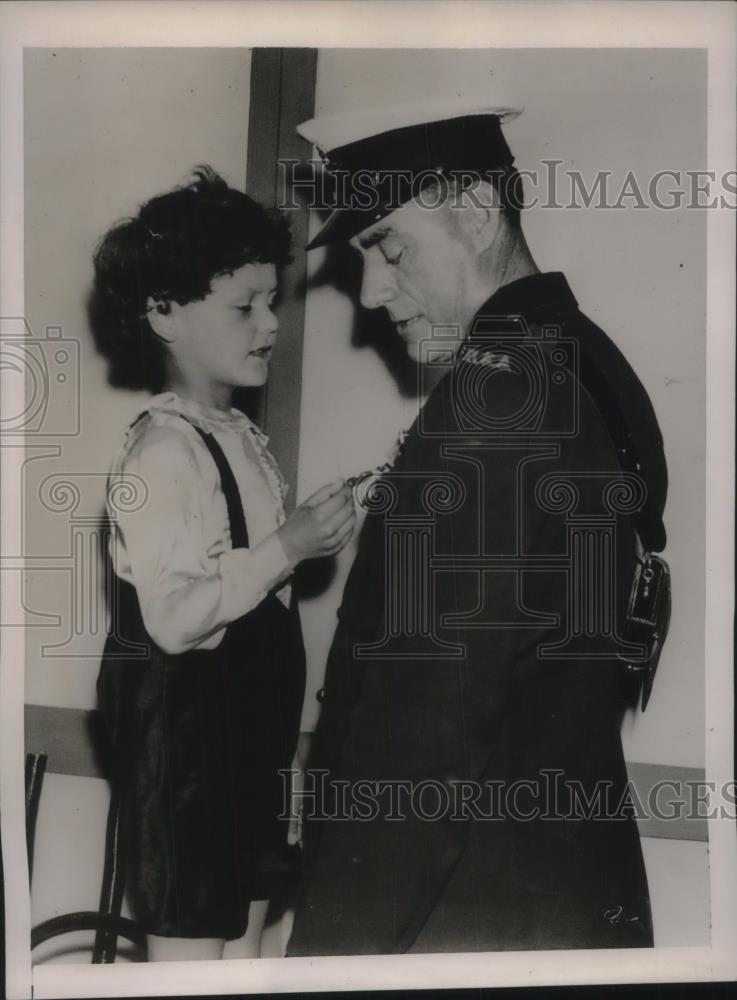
(648, 520)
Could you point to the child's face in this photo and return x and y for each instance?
(226, 338)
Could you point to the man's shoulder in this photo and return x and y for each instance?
(543, 308)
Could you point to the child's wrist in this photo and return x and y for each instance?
(289, 549)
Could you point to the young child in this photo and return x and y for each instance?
(202, 677)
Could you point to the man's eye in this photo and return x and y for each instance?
(393, 258)
(244, 309)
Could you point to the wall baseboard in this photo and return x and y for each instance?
(664, 796)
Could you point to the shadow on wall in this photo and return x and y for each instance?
(341, 270)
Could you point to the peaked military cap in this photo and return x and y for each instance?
(384, 157)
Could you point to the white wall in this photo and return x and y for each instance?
(678, 878)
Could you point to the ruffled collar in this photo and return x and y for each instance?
(211, 420)
(208, 418)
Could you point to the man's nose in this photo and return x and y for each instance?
(377, 285)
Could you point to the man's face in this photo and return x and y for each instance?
(417, 265)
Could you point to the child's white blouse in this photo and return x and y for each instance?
(175, 545)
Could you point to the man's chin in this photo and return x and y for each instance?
(427, 348)
(415, 340)
(416, 350)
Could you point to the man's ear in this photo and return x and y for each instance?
(480, 214)
(161, 319)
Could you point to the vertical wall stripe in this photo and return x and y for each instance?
(282, 95)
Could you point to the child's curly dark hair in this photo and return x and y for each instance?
(171, 251)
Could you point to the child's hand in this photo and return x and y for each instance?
(321, 526)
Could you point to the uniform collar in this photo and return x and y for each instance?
(531, 294)
(539, 299)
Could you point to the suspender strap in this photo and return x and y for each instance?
(238, 529)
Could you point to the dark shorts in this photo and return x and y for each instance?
(197, 744)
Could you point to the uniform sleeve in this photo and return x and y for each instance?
(187, 597)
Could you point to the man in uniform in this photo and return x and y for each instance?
(466, 788)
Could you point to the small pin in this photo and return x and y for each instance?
(353, 481)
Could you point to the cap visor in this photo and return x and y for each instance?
(343, 224)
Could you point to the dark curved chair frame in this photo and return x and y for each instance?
(106, 922)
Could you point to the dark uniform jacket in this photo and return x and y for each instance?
(469, 741)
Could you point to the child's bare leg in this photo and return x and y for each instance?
(249, 946)
(172, 949)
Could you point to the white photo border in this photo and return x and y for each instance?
(420, 24)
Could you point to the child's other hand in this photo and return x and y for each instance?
(320, 526)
